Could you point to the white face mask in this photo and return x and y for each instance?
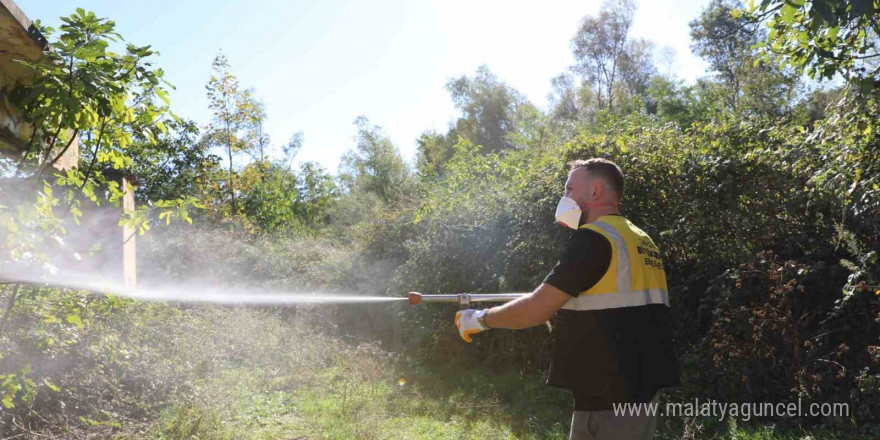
(568, 213)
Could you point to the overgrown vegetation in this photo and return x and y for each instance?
(761, 187)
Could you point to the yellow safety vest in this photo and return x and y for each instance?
(635, 276)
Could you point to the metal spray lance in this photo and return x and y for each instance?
(464, 300)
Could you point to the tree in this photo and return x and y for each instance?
(375, 165)
(114, 104)
(672, 101)
(316, 194)
(823, 38)
(816, 104)
(433, 150)
(637, 67)
(278, 197)
(600, 45)
(176, 165)
(563, 98)
(256, 138)
(750, 84)
(237, 119)
(105, 100)
(281, 199)
(725, 42)
(489, 109)
(85, 91)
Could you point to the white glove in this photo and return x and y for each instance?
(470, 322)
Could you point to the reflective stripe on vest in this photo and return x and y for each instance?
(624, 273)
(616, 300)
(623, 295)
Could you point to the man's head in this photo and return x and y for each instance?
(596, 185)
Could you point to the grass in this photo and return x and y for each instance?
(216, 373)
(330, 390)
(342, 404)
(345, 402)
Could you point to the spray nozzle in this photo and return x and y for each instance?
(415, 298)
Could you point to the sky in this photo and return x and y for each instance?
(317, 65)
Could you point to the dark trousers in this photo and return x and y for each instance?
(606, 425)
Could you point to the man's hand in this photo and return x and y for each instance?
(468, 323)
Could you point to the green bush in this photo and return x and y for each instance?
(713, 196)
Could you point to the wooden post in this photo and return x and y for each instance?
(129, 255)
(70, 158)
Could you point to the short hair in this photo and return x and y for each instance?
(604, 168)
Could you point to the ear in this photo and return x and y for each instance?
(598, 190)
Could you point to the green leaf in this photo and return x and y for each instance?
(825, 13)
(75, 319)
(163, 96)
(51, 386)
(832, 32)
(787, 13)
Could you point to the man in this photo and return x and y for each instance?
(608, 292)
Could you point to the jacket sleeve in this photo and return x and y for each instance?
(583, 263)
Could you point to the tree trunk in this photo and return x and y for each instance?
(230, 179)
(9, 305)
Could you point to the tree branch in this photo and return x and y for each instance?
(759, 18)
(46, 164)
(88, 171)
(51, 145)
